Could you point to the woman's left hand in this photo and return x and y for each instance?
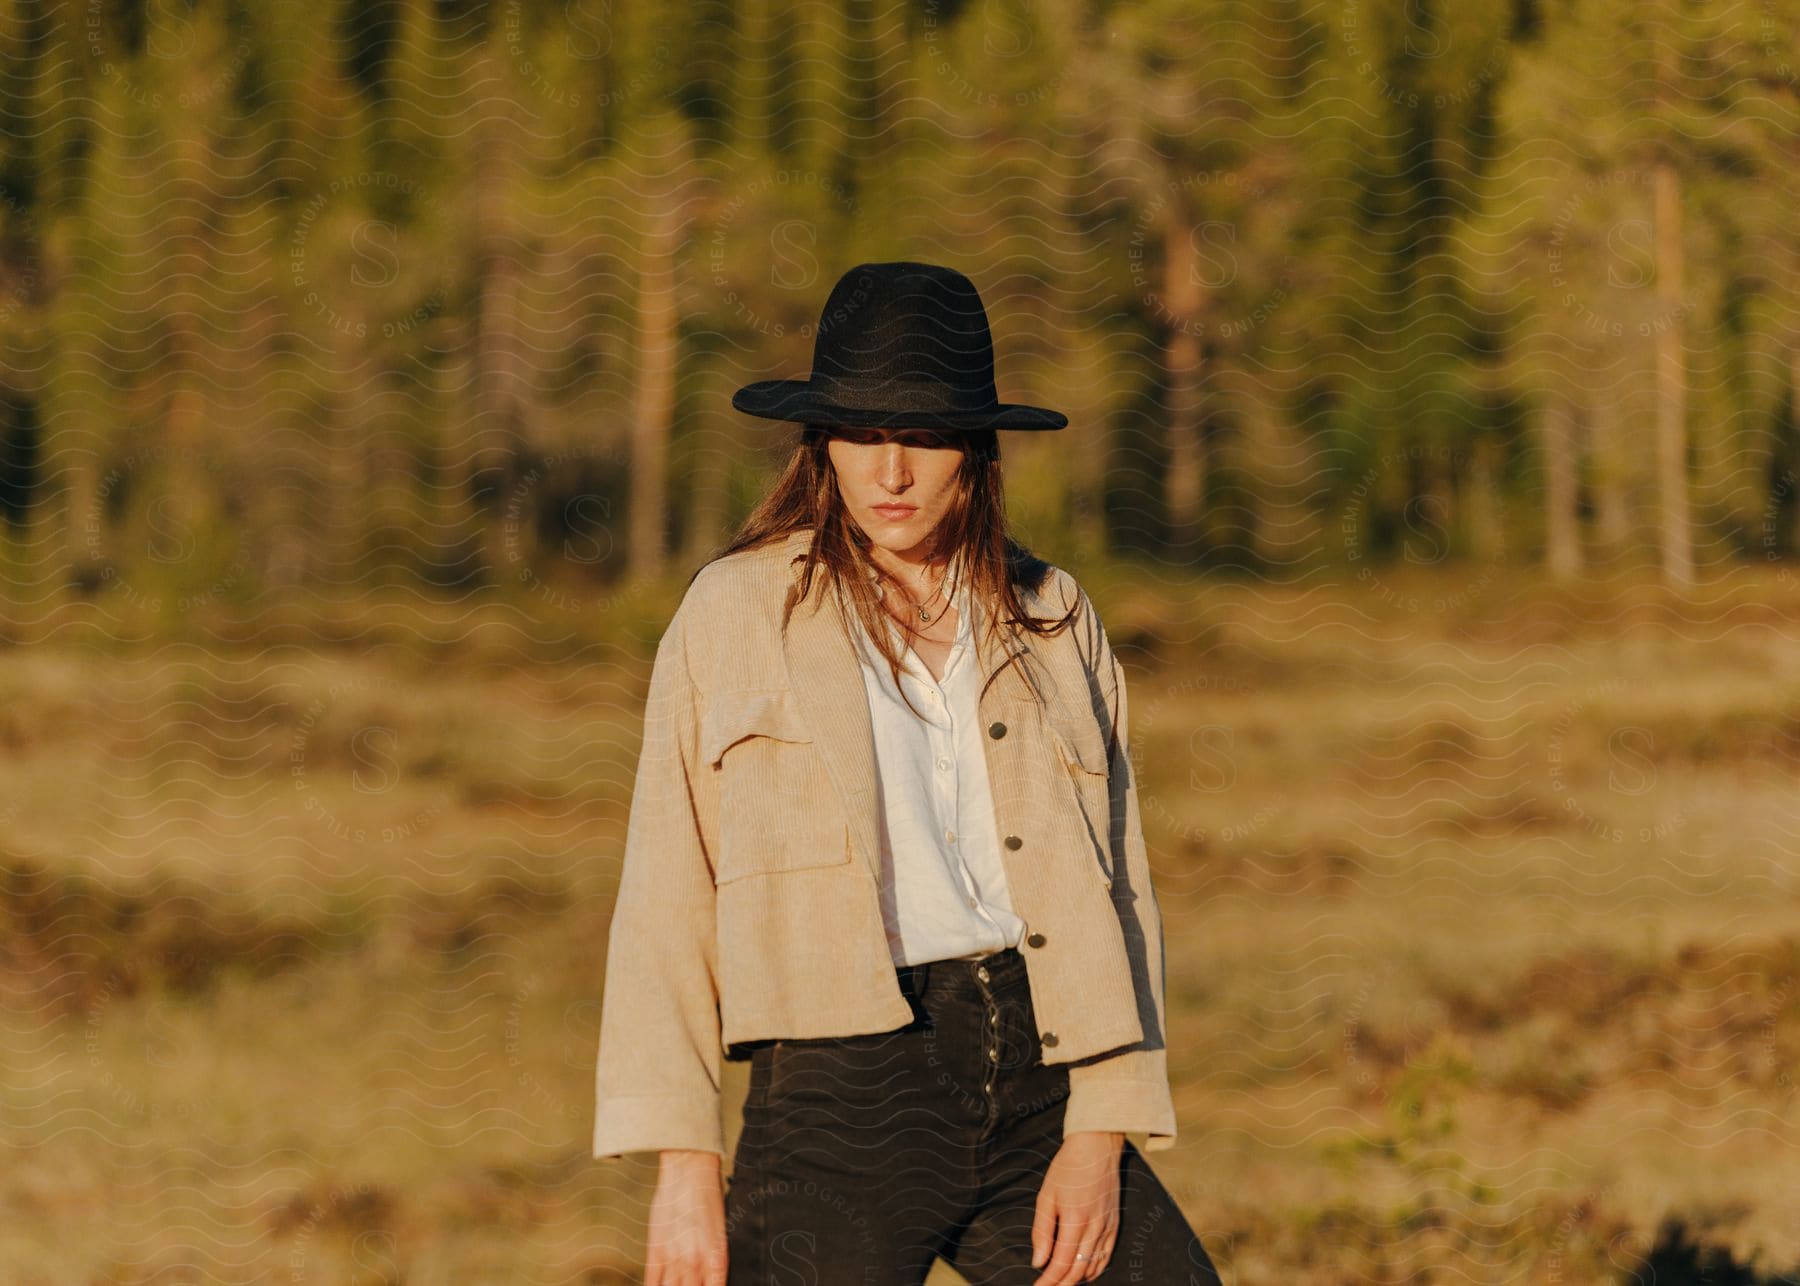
(1079, 1205)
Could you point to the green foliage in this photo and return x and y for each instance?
(391, 261)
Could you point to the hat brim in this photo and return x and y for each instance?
(797, 401)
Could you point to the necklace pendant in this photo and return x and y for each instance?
(924, 617)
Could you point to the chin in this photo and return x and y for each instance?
(897, 540)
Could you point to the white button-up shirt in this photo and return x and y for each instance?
(943, 887)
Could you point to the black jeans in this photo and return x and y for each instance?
(865, 1158)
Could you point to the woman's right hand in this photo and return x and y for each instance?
(686, 1242)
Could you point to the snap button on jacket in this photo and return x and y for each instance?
(749, 901)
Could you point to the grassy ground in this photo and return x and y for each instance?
(1480, 898)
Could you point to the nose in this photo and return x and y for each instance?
(894, 472)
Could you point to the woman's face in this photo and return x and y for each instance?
(897, 483)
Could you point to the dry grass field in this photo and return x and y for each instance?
(1482, 900)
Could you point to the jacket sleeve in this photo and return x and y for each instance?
(657, 1075)
(1129, 1090)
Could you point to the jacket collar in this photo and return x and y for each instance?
(825, 678)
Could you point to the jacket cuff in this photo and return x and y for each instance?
(654, 1123)
(1128, 1093)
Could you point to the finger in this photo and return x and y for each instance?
(1064, 1269)
(1086, 1267)
(1101, 1255)
(1043, 1229)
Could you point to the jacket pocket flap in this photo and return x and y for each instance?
(1081, 743)
(775, 815)
(765, 713)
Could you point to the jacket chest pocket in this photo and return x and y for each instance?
(777, 809)
(1082, 750)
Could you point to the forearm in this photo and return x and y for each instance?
(659, 1067)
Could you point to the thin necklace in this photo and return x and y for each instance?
(925, 617)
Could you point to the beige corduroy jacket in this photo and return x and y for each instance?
(748, 905)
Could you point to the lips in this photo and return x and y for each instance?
(896, 511)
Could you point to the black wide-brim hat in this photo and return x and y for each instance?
(899, 344)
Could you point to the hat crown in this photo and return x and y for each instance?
(906, 323)
(900, 343)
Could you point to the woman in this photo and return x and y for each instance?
(884, 843)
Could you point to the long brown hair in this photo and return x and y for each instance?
(993, 565)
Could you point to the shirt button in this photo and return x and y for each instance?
(996, 730)
(1049, 1038)
(1013, 841)
(993, 1055)
(950, 837)
(1035, 940)
(943, 762)
(974, 902)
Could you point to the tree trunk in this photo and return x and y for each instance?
(708, 483)
(1185, 484)
(1092, 415)
(346, 433)
(1612, 516)
(653, 405)
(754, 86)
(1277, 465)
(1794, 418)
(500, 380)
(1562, 531)
(81, 505)
(1487, 528)
(1671, 382)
